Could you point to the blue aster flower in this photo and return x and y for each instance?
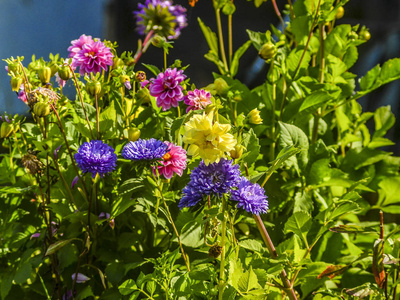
(96, 157)
(216, 178)
(150, 149)
(251, 197)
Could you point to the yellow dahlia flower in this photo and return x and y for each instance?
(208, 139)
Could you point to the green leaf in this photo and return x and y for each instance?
(153, 69)
(238, 54)
(291, 135)
(303, 202)
(248, 281)
(252, 245)
(23, 273)
(85, 293)
(295, 59)
(316, 100)
(377, 263)
(210, 36)
(389, 191)
(350, 228)
(53, 248)
(258, 38)
(299, 223)
(252, 144)
(384, 120)
(90, 110)
(367, 81)
(301, 26)
(235, 272)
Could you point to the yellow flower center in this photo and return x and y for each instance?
(167, 156)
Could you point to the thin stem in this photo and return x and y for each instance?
(97, 117)
(230, 38)
(222, 284)
(221, 37)
(278, 14)
(271, 248)
(69, 150)
(172, 222)
(144, 46)
(165, 60)
(81, 100)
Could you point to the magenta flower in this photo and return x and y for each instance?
(22, 95)
(92, 58)
(197, 99)
(77, 45)
(167, 89)
(174, 161)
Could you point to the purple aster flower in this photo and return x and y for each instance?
(216, 178)
(162, 17)
(251, 197)
(78, 44)
(96, 157)
(144, 150)
(167, 89)
(197, 99)
(92, 58)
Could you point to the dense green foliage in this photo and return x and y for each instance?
(332, 186)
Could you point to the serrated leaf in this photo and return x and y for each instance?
(128, 287)
(248, 281)
(384, 120)
(299, 223)
(252, 245)
(251, 143)
(316, 100)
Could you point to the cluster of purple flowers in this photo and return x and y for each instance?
(90, 55)
(150, 149)
(221, 178)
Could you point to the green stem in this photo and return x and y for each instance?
(221, 37)
(81, 100)
(97, 117)
(222, 283)
(271, 248)
(230, 38)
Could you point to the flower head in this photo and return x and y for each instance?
(150, 149)
(96, 157)
(197, 99)
(92, 58)
(167, 89)
(162, 17)
(251, 197)
(78, 44)
(217, 179)
(208, 139)
(254, 117)
(174, 161)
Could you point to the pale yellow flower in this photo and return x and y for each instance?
(254, 117)
(210, 140)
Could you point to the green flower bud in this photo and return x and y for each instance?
(44, 74)
(237, 96)
(41, 109)
(220, 86)
(16, 83)
(364, 35)
(254, 117)
(236, 152)
(6, 130)
(64, 72)
(14, 67)
(93, 88)
(132, 134)
(339, 13)
(117, 62)
(158, 41)
(53, 68)
(267, 51)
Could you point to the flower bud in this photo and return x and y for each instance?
(44, 74)
(237, 96)
(6, 130)
(41, 109)
(16, 83)
(125, 80)
(267, 51)
(140, 76)
(158, 41)
(133, 134)
(14, 67)
(339, 13)
(93, 88)
(220, 86)
(364, 34)
(117, 62)
(64, 72)
(53, 68)
(254, 117)
(237, 152)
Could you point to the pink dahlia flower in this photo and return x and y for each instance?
(92, 58)
(197, 99)
(78, 44)
(174, 161)
(167, 89)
